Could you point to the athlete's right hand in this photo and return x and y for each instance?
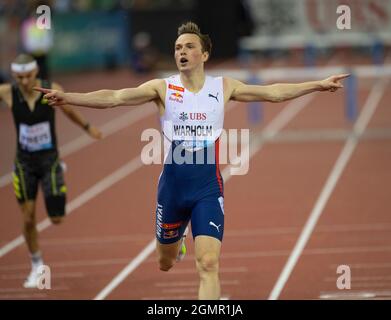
(54, 97)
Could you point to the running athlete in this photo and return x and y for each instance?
(191, 106)
(37, 159)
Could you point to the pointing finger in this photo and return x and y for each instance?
(43, 90)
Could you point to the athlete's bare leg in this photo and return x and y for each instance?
(56, 220)
(167, 254)
(207, 252)
(29, 226)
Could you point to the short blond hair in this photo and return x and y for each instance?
(191, 27)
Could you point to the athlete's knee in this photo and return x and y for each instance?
(56, 220)
(167, 254)
(165, 263)
(208, 263)
(28, 215)
(29, 224)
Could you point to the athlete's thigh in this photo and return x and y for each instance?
(53, 186)
(207, 217)
(25, 181)
(171, 215)
(206, 246)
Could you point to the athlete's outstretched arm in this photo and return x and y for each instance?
(101, 99)
(280, 91)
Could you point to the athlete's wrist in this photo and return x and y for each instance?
(319, 85)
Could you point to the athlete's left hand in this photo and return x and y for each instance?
(94, 132)
(333, 83)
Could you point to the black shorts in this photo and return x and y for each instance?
(32, 168)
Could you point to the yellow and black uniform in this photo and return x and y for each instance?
(37, 155)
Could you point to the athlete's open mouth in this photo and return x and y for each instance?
(183, 60)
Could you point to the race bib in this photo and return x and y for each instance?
(36, 137)
(195, 130)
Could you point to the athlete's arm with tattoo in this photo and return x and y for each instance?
(101, 99)
(281, 91)
(77, 118)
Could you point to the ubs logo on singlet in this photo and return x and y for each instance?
(192, 116)
(183, 116)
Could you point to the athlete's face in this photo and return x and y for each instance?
(188, 52)
(26, 80)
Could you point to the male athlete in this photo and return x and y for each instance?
(37, 159)
(191, 106)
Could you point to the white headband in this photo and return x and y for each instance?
(26, 67)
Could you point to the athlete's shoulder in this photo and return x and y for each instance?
(4, 87)
(6, 93)
(231, 82)
(173, 82)
(154, 84)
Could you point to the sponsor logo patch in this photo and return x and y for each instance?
(173, 87)
(176, 97)
(170, 234)
(159, 218)
(169, 226)
(183, 116)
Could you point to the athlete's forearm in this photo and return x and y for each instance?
(97, 99)
(111, 98)
(285, 91)
(105, 98)
(281, 91)
(75, 116)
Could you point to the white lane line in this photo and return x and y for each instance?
(127, 270)
(377, 293)
(69, 264)
(107, 129)
(236, 255)
(56, 275)
(347, 295)
(372, 285)
(237, 233)
(362, 278)
(23, 290)
(365, 265)
(24, 296)
(347, 151)
(89, 194)
(287, 114)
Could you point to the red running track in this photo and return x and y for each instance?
(266, 209)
